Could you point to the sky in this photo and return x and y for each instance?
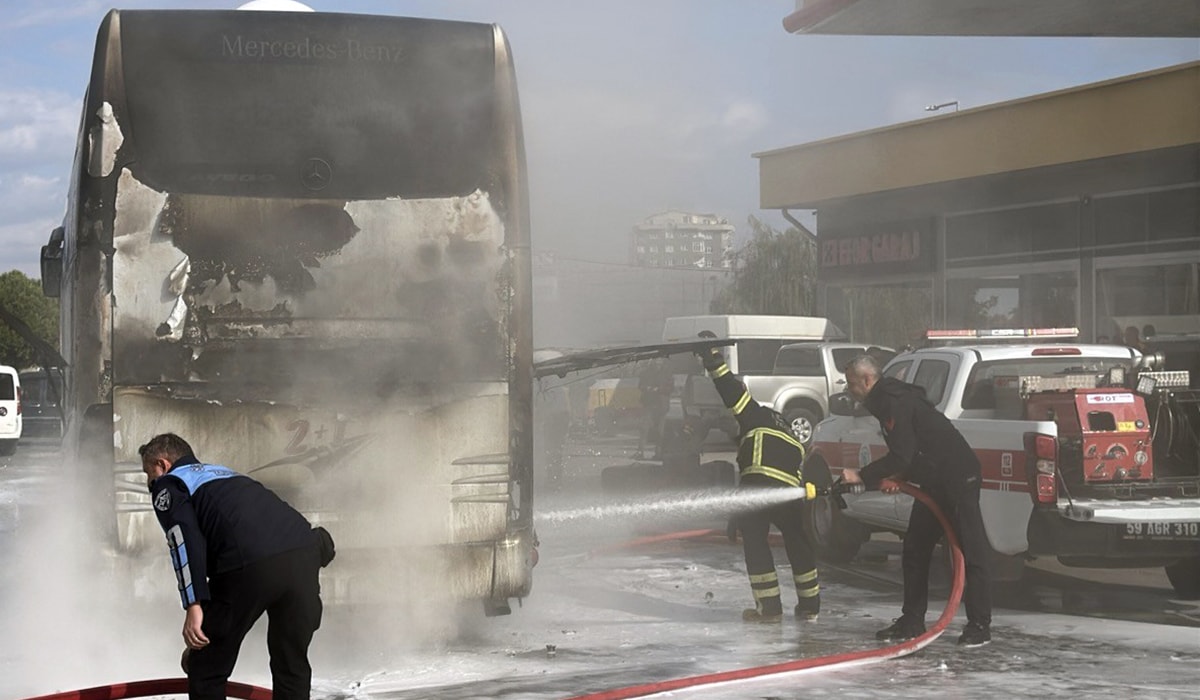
(630, 107)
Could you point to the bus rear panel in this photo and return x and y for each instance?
(300, 241)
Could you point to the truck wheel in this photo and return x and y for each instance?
(1185, 578)
(834, 537)
(803, 422)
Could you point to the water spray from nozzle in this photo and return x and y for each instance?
(710, 502)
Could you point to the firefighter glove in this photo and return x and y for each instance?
(712, 357)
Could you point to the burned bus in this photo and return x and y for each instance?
(301, 242)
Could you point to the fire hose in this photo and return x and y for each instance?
(828, 662)
(161, 686)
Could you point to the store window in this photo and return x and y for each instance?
(1031, 300)
(1024, 231)
(1151, 299)
(890, 315)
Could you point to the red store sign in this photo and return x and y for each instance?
(908, 250)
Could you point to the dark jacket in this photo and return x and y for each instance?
(923, 445)
(767, 451)
(218, 521)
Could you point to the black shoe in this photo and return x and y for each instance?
(975, 635)
(902, 628)
(808, 608)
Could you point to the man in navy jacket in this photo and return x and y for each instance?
(238, 550)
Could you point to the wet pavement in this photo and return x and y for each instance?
(594, 620)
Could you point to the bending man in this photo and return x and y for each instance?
(238, 550)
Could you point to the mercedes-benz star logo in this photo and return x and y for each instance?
(317, 174)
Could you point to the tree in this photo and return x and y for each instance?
(774, 273)
(22, 297)
(889, 315)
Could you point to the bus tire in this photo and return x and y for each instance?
(1184, 576)
(833, 536)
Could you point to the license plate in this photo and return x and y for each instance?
(1161, 531)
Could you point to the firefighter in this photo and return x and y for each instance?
(238, 550)
(768, 456)
(925, 447)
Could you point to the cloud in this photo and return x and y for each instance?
(37, 126)
(744, 117)
(21, 243)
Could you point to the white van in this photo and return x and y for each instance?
(10, 409)
(758, 341)
(759, 337)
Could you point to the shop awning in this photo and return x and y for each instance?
(1115, 18)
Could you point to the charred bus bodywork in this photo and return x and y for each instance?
(301, 242)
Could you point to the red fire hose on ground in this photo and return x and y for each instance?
(161, 686)
(178, 686)
(832, 661)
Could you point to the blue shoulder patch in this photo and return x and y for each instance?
(196, 475)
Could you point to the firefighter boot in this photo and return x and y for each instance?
(767, 615)
(767, 605)
(808, 608)
(808, 593)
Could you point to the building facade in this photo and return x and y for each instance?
(682, 239)
(1077, 208)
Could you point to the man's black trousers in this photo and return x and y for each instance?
(960, 504)
(284, 586)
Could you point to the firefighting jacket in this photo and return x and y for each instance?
(217, 521)
(923, 445)
(765, 447)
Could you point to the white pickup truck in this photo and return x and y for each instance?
(790, 363)
(1088, 455)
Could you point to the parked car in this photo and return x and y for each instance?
(10, 409)
(41, 395)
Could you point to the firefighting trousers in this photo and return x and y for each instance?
(960, 504)
(286, 588)
(760, 564)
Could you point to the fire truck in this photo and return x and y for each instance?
(1090, 453)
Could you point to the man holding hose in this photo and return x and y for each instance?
(924, 447)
